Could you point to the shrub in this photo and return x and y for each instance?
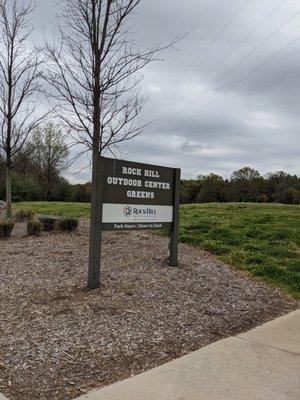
(24, 215)
(48, 222)
(67, 224)
(6, 228)
(34, 228)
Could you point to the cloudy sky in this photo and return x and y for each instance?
(227, 96)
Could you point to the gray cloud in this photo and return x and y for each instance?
(256, 123)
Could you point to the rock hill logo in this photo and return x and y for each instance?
(128, 211)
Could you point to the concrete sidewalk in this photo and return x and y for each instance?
(262, 364)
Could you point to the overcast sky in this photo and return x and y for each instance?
(227, 97)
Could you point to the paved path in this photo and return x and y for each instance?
(262, 364)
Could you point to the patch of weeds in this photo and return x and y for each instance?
(229, 237)
(280, 251)
(220, 232)
(67, 224)
(48, 222)
(237, 257)
(253, 232)
(254, 246)
(293, 265)
(277, 235)
(200, 226)
(215, 247)
(255, 259)
(279, 276)
(24, 215)
(264, 219)
(6, 228)
(188, 237)
(34, 228)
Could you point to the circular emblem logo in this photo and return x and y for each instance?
(127, 211)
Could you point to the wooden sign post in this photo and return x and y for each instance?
(132, 196)
(174, 231)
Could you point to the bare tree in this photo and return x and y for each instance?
(19, 83)
(49, 155)
(94, 75)
(94, 72)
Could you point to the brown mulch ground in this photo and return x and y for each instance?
(58, 341)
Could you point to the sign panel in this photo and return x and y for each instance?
(128, 195)
(136, 195)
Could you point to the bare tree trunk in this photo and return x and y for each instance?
(48, 188)
(8, 192)
(96, 206)
(95, 225)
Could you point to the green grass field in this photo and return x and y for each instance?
(263, 239)
(76, 210)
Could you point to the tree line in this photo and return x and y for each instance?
(38, 176)
(244, 185)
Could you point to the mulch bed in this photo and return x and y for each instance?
(58, 340)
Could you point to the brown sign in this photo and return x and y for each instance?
(137, 196)
(128, 196)
(136, 183)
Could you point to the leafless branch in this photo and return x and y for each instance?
(95, 72)
(20, 81)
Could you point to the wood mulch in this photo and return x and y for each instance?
(58, 340)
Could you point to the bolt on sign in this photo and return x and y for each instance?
(134, 196)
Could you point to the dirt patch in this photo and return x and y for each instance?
(58, 341)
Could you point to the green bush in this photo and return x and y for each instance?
(6, 228)
(67, 224)
(24, 215)
(48, 222)
(34, 228)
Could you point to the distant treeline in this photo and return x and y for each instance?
(29, 187)
(245, 185)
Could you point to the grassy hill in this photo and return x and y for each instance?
(263, 239)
